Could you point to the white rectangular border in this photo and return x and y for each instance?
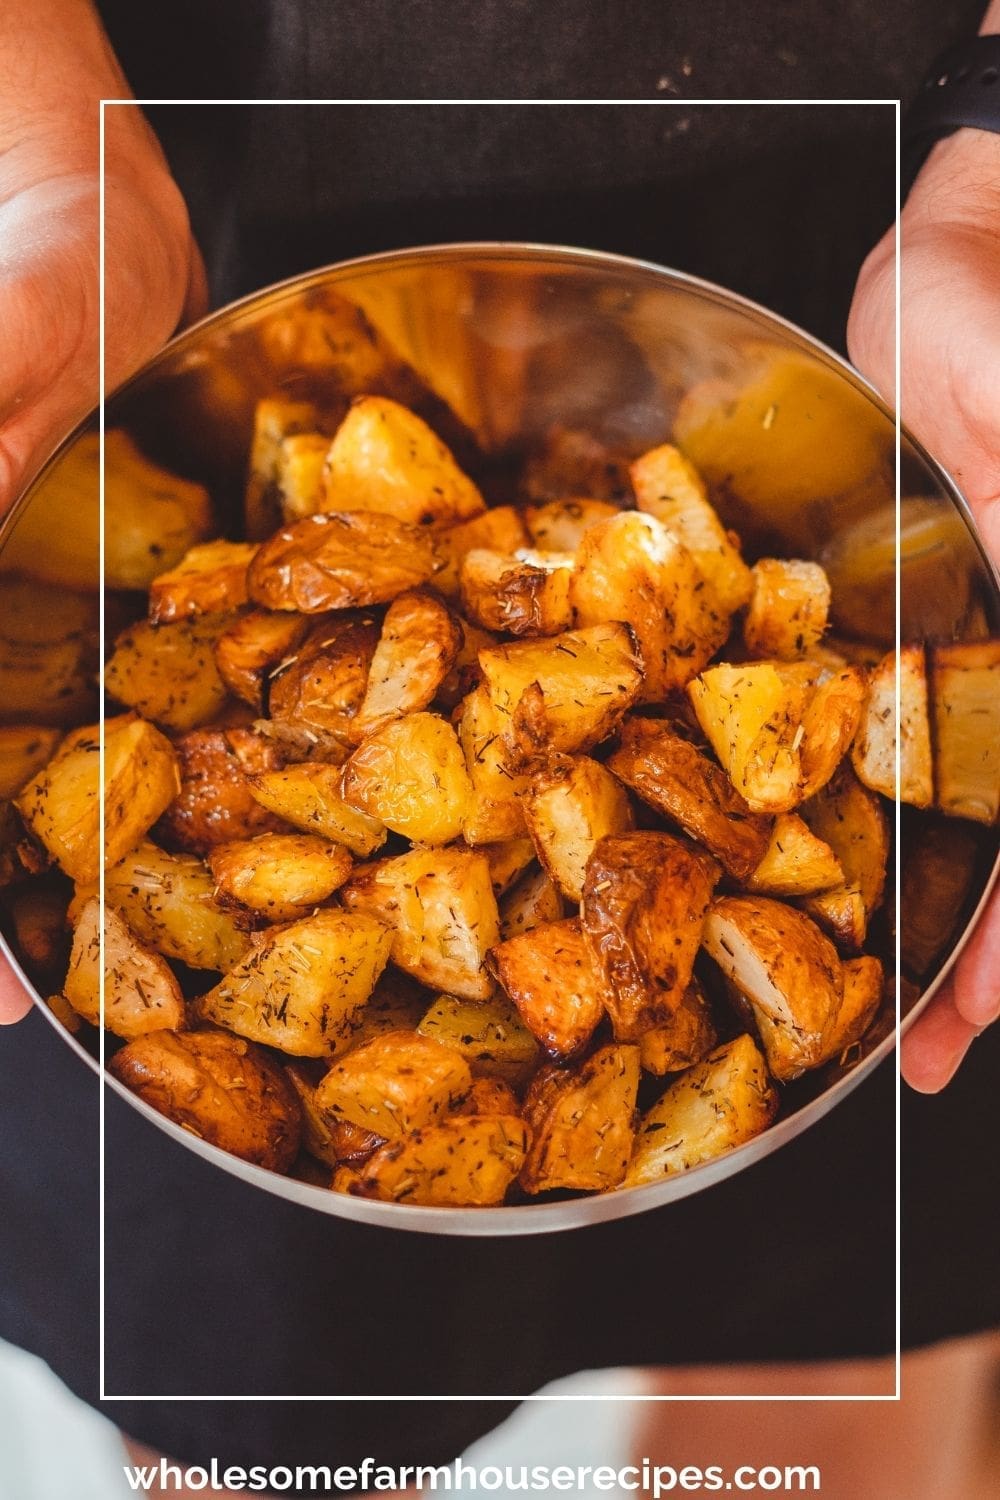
(672, 102)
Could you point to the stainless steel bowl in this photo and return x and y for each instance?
(505, 343)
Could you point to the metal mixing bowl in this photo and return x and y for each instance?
(514, 341)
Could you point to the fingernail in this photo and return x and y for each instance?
(981, 1009)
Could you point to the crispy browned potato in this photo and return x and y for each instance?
(275, 418)
(221, 1088)
(965, 706)
(569, 806)
(560, 525)
(529, 903)
(788, 608)
(215, 803)
(395, 1083)
(490, 1096)
(319, 1131)
(752, 715)
(851, 819)
(829, 723)
(864, 983)
(418, 647)
(670, 488)
(384, 458)
(410, 774)
(684, 1039)
(500, 529)
(796, 862)
(318, 689)
(211, 579)
(300, 985)
(340, 560)
(644, 904)
(522, 594)
(62, 803)
(489, 1034)
(397, 1003)
(441, 907)
(936, 879)
(675, 778)
(255, 645)
(49, 650)
(581, 1122)
(24, 749)
(551, 977)
(632, 568)
(168, 672)
(588, 679)
(508, 861)
(279, 875)
(168, 901)
(721, 1103)
(141, 993)
(309, 797)
(873, 752)
(469, 1160)
(789, 972)
(496, 814)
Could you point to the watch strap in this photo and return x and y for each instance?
(962, 89)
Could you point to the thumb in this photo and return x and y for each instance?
(14, 999)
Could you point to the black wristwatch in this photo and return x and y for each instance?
(962, 88)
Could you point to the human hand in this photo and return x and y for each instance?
(950, 338)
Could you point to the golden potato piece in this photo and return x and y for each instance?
(588, 679)
(469, 1160)
(49, 651)
(560, 525)
(851, 819)
(490, 1096)
(318, 689)
(62, 803)
(525, 594)
(221, 1088)
(255, 645)
(644, 904)
(396, 1003)
(752, 715)
(796, 862)
(168, 672)
(551, 977)
(209, 580)
(684, 1039)
(327, 1139)
(141, 993)
(581, 1123)
(340, 560)
(443, 912)
(496, 814)
(215, 803)
(411, 776)
(789, 972)
(168, 900)
(864, 982)
(500, 529)
(788, 608)
(533, 901)
(24, 749)
(300, 474)
(394, 1084)
(280, 875)
(721, 1103)
(873, 752)
(309, 797)
(275, 418)
(829, 723)
(569, 806)
(676, 779)
(965, 707)
(508, 861)
(299, 985)
(632, 568)
(489, 1034)
(418, 647)
(385, 458)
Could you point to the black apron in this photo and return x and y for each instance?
(214, 1289)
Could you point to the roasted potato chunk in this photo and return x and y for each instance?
(644, 904)
(864, 982)
(411, 776)
(252, 647)
(340, 560)
(721, 1103)
(418, 646)
(789, 972)
(788, 608)
(327, 1139)
(318, 689)
(751, 715)
(274, 419)
(168, 901)
(560, 525)
(524, 594)
(531, 902)
(873, 752)
(468, 1160)
(443, 912)
(280, 875)
(965, 707)
(385, 458)
(300, 985)
(300, 474)
(211, 579)
(489, 1034)
(394, 1084)
(829, 723)
(852, 821)
(550, 975)
(168, 672)
(632, 568)
(489, 1096)
(508, 861)
(670, 488)
(581, 1123)
(309, 797)
(675, 778)
(49, 652)
(496, 813)
(501, 529)
(396, 1004)
(796, 862)
(569, 806)
(219, 1087)
(141, 993)
(684, 1039)
(215, 803)
(62, 803)
(24, 749)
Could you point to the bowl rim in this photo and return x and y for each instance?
(623, 1202)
